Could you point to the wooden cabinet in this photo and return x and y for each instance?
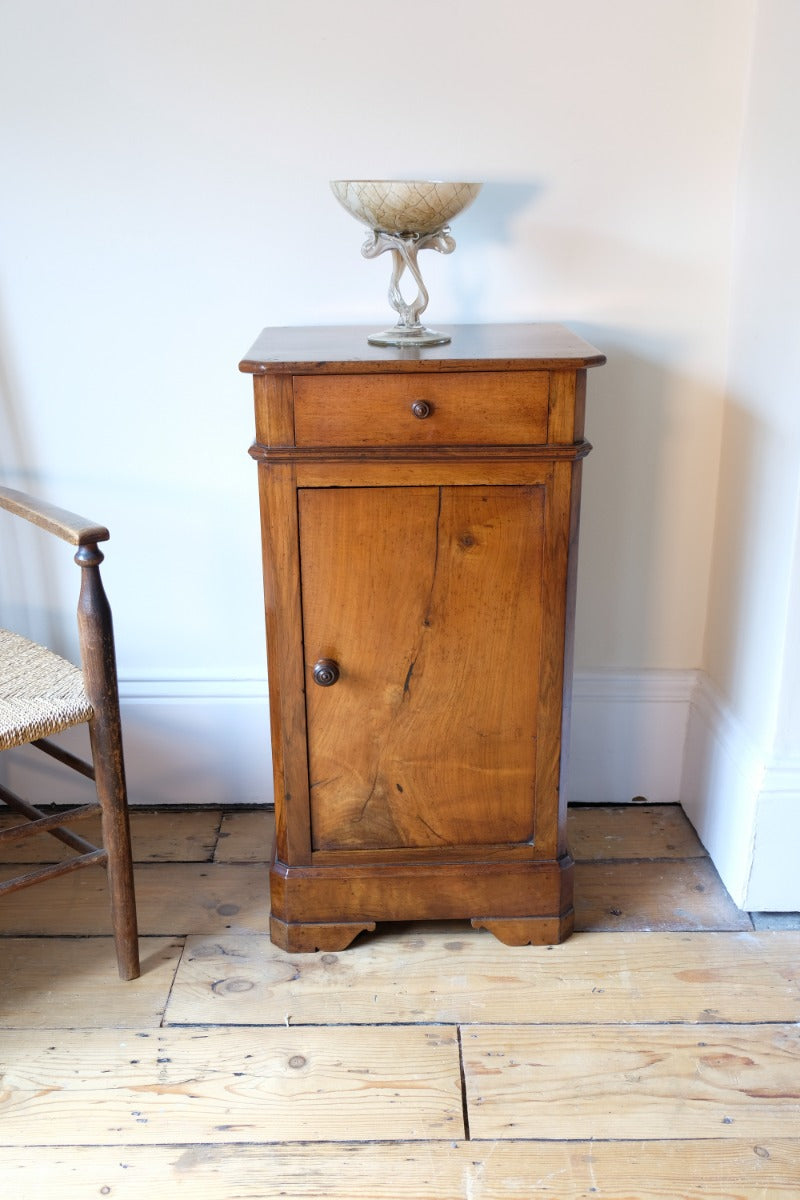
(420, 516)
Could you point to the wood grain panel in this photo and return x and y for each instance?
(451, 973)
(429, 472)
(644, 1082)
(567, 406)
(429, 737)
(555, 670)
(282, 614)
(342, 349)
(486, 407)
(361, 892)
(674, 1170)
(273, 410)
(212, 1085)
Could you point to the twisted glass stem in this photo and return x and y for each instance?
(404, 248)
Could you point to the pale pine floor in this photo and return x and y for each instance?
(654, 1055)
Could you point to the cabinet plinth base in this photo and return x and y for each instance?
(325, 908)
(297, 938)
(528, 931)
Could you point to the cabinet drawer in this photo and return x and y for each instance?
(485, 407)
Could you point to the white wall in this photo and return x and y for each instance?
(165, 196)
(753, 632)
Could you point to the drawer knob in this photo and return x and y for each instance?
(421, 409)
(326, 672)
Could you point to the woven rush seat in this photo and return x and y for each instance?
(40, 692)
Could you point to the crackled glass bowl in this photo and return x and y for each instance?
(404, 206)
(404, 217)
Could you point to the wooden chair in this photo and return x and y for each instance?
(42, 694)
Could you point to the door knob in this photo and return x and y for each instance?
(326, 672)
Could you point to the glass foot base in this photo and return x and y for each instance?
(415, 336)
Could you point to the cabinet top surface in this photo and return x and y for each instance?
(341, 349)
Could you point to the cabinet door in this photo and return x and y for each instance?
(429, 600)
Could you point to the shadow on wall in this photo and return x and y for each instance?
(24, 570)
(31, 560)
(491, 216)
(16, 445)
(623, 493)
(649, 486)
(521, 257)
(647, 512)
(752, 564)
(488, 234)
(649, 490)
(723, 766)
(629, 418)
(646, 533)
(732, 728)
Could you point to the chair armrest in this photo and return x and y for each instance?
(64, 524)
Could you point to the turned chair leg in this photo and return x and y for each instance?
(109, 771)
(105, 730)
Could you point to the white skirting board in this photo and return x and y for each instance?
(628, 735)
(202, 741)
(664, 736)
(187, 741)
(745, 805)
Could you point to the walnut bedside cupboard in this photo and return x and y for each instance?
(419, 511)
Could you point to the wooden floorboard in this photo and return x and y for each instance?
(684, 894)
(69, 983)
(246, 837)
(171, 898)
(165, 836)
(641, 1082)
(602, 831)
(464, 976)
(583, 1170)
(652, 1056)
(90, 1087)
